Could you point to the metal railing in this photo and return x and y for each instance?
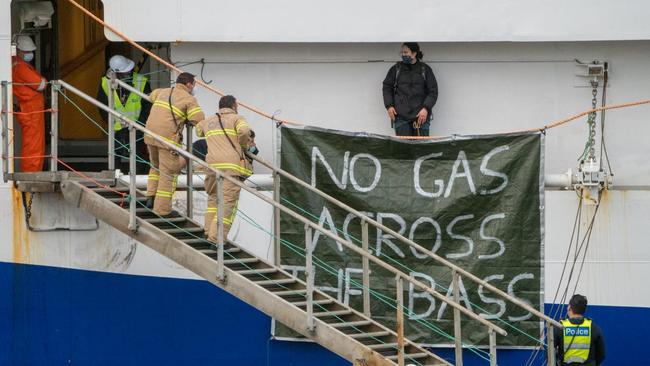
(457, 271)
(4, 115)
(278, 207)
(112, 85)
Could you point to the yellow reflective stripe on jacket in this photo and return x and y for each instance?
(235, 167)
(169, 107)
(193, 111)
(226, 221)
(577, 341)
(240, 124)
(211, 209)
(166, 194)
(171, 141)
(154, 176)
(220, 132)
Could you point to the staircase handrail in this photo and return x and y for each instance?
(308, 224)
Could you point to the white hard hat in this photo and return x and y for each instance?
(119, 63)
(25, 43)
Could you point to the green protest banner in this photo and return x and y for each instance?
(476, 201)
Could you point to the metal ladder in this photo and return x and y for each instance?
(277, 293)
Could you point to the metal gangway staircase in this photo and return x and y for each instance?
(354, 335)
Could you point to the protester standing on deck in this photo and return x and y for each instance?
(410, 91)
(28, 86)
(581, 341)
(228, 137)
(172, 109)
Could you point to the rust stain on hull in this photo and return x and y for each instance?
(20, 242)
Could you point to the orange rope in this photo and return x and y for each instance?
(605, 108)
(121, 194)
(172, 67)
(272, 117)
(49, 110)
(549, 126)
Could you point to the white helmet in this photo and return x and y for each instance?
(25, 43)
(121, 64)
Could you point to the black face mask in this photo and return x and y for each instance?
(407, 59)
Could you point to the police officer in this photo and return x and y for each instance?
(228, 137)
(172, 109)
(581, 341)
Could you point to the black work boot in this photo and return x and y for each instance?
(149, 202)
(171, 215)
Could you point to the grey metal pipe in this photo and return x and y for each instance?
(5, 130)
(111, 123)
(399, 289)
(190, 173)
(366, 269)
(133, 90)
(309, 272)
(220, 235)
(409, 242)
(133, 223)
(289, 212)
(54, 128)
(458, 339)
(261, 182)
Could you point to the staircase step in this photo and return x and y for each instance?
(157, 220)
(274, 280)
(316, 302)
(111, 189)
(241, 260)
(370, 335)
(187, 230)
(125, 199)
(325, 314)
(283, 281)
(214, 252)
(359, 323)
(411, 356)
(383, 346)
(191, 241)
(290, 292)
(257, 271)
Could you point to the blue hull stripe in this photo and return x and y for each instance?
(56, 316)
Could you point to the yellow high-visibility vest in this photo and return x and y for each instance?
(577, 341)
(133, 105)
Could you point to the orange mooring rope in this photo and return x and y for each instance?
(273, 118)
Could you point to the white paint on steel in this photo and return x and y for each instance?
(379, 20)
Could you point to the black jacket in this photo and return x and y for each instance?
(596, 349)
(413, 92)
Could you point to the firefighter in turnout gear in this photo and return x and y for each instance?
(172, 109)
(580, 342)
(228, 137)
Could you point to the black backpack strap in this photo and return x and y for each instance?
(397, 70)
(241, 156)
(423, 71)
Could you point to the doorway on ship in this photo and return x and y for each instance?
(74, 48)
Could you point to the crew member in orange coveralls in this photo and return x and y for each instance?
(28, 86)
